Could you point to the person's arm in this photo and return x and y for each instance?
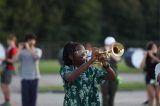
(75, 74)
(12, 60)
(144, 60)
(110, 73)
(1, 59)
(36, 54)
(13, 57)
(19, 51)
(154, 57)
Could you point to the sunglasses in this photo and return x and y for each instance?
(82, 53)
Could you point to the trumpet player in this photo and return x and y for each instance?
(80, 78)
(109, 88)
(29, 56)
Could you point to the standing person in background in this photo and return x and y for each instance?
(150, 62)
(143, 67)
(29, 57)
(6, 75)
(109, 88)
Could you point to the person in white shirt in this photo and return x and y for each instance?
(29, 57)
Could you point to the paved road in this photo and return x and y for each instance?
(132, 98)
(128, 98)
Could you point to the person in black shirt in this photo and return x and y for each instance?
(150, 62)
(109, 88)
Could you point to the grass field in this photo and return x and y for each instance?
(121, 87)
(49, 67)
(53, 67)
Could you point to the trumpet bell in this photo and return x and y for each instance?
(118, 49)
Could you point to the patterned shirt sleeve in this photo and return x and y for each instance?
(65, 70)
(100, 75)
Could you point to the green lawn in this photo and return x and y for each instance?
(53, 67)
(49, 66)
(122, 87)
(123, 68)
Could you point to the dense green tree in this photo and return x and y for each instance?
(82, 18)
(59, 21)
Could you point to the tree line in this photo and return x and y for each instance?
(59, 21)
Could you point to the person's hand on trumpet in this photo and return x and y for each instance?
(102, 58)
(99, 57)
(95, 54)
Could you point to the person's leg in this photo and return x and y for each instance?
(150, 93)
(25, 93)
(6, 79)
(158, 95)
(104, 89)
(146, 82)
(33, 92)
(146, 101)
(112, 91)
(6, 92)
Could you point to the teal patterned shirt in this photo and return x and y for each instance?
(83, 91)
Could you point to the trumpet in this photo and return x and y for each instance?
(117, 50)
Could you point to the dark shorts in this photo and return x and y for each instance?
(150, 81)
(6, 77)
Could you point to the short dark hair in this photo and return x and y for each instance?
(69, 49)
(149, 45)
(30, 36)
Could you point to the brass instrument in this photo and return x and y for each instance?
(117, 50)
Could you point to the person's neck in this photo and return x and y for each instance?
(13, 45)
(32, 47)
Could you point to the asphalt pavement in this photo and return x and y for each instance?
(123, 98)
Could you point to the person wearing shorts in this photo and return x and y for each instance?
(8, 69)
(150, 63)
